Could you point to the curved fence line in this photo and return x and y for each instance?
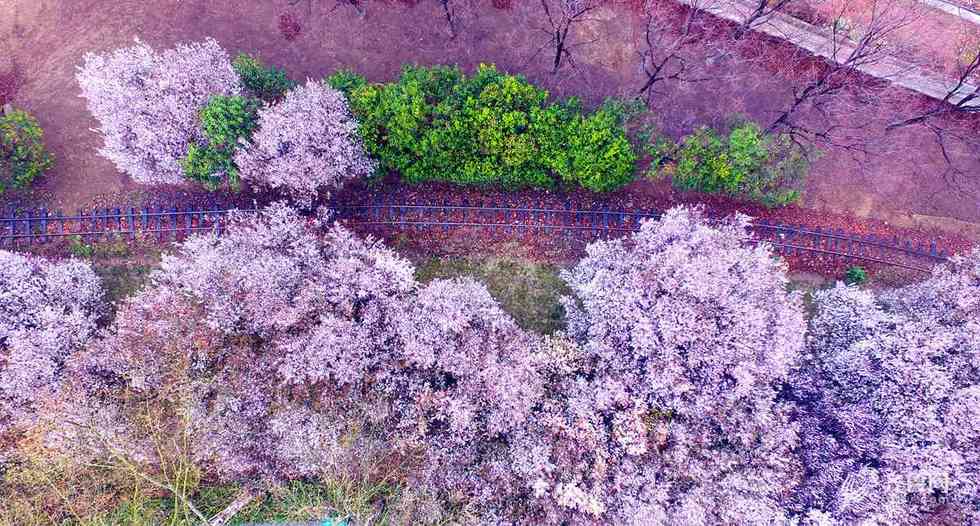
(604, 223)
(39, 226)
(579, 225)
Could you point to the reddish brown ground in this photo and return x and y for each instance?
(564, 245)
(904, 180)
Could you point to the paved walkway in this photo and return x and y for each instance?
(958, 11)
(817, 41)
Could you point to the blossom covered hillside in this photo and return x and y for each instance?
(687, 389)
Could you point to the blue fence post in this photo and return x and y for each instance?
(173, 219)
(188, 220)
(60, 218)
(480, 215)
(566, 217)
(131, 223)
(28, 229)
(5, 224)
(44, 225)
(161, 235)
(445, 215)
(96, 224)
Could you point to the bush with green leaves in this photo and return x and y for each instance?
(856, 275)
(747, 163)
(22, 153)
(435, 123)
(226, 122)
(267, 83)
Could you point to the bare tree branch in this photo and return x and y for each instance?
(663, 56)
(839, 72)
(762, 10)
(561, 16)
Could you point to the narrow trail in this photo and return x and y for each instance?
(961, 12)
(817, 41)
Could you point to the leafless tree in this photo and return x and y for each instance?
(762, 10)
(840, 72)
(356, 4)
(449, 11)
(962, 97)
(667, 38)
(948, 121)
(562, 15)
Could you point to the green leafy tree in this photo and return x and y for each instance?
(22, 153)
(601, 157)
(226, 122)
(267, 83)
(747, 163)
(486, 129)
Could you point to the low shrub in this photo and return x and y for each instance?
(746, 163)
(267, 83)
(856, 275)
(435, 123)
(22, 153)
(226, 122)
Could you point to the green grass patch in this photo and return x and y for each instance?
(296, 501)
(122, 280)
(527, 290)
(808, 283)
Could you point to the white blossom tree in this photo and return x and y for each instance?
(147, 103)
(254, 348)
(307, 142)
(890, 400)
(686, 336)
(48, 310)
(466, 383)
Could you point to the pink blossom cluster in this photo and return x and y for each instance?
(305, 143)
(683, 392)
(48, 310)
(685, 334)
(889, 395)
(147, 103)
(257, 346)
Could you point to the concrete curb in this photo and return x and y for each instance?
(817, 41)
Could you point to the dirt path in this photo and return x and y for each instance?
(903, 182)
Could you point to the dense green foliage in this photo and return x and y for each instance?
(747, 164)
(22, 153)
(435, 123)
(856, 275)
(226, 121)
(267, 83)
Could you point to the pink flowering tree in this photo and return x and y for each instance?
(306, 143)
(466, 382)
(890, 400)
(685, 334)
(254, 348)
(48, 310)
(147, 103)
